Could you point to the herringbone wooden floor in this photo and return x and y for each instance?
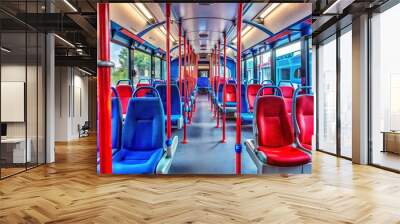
(70, 191)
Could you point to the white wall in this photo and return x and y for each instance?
(71, 102)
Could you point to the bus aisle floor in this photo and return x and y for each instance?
(204, 153)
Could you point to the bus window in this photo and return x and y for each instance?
(285, 74)
(119, 56)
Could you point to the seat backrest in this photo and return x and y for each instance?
(230, 92)
(231, 81)
(305, 118)
(116, 122)
(157, 82)
(220, 92)
(252, 90)
(142, 92)
(125, 93)
(144, 127)
(176, 108)
(272, 122)
(287, 94)
(244, 106)
(202, 82)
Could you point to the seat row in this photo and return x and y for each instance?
(282, 132)
(125, 90)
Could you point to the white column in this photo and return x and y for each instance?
(50, 98)
(360, 90)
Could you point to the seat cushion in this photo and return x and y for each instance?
(285, 156)
(230, 104)
(308, 147)
(247, 118)
(175, 119)
(138, 162)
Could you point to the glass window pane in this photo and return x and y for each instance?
(142, 65)
(265, 67)
(346, 94)
(13, 83)
(385, 84)
(250, 68)
(157, 68)
(327, 97)
(288, 63)
(119, 56)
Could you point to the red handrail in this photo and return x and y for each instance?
(238, 146)
(103, 86)
(168, 21)
(224, 104)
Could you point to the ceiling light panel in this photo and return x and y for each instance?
(268, 11)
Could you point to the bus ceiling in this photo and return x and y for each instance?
(142, 25)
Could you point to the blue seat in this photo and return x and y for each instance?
(176, 105)
(203, 83)
(116, 123)
(220, 92)
(157, 82)
(245, 114)
(143, 137)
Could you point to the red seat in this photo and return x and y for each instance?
(142, 92)
(305, 119)
(287, 94)
(275, 135)
(125, 92)
(230, 93)
(252, 90)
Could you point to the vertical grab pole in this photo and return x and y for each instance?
(179, 57)
(224, 105)
(212, 80)
(168, 15)
(219, 77)
(184, 141)
(216, 85)
(238, 146)
(189, 82)
(103, 88)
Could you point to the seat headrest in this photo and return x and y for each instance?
(287, 91)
